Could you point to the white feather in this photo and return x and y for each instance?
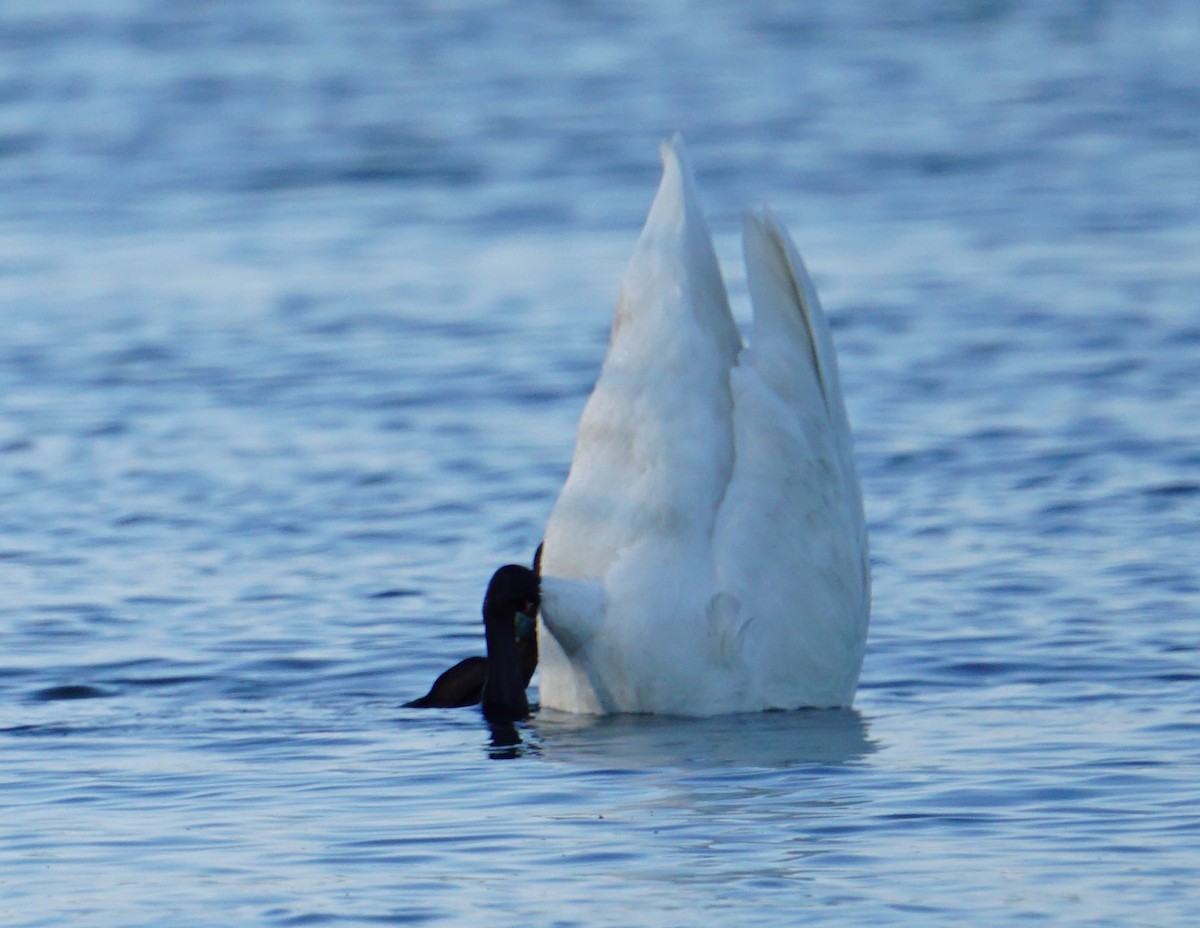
(707, 553)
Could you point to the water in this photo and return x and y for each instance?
(300, 304)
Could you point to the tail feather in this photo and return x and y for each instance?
(786, 307)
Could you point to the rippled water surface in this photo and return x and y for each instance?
(300, 305)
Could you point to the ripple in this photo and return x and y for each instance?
(68, 691)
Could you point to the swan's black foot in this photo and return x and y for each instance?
(512, 591)
(461, 685)
(510, 618)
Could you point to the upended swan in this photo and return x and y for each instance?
(708, 552)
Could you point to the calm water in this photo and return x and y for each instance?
(300, 304)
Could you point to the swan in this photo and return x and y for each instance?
(707, 553)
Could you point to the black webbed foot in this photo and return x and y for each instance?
(461, 685)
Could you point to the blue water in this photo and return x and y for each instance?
(300, 303)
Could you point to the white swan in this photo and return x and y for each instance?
(708, 553)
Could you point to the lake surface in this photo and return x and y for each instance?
(300, 304)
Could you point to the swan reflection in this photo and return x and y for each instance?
(761, 739)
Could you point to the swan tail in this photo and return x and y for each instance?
(787, 311)
(793, 354)
(654, 449)
(675, 262)
(791, 538)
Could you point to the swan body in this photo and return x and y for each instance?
(708, 553)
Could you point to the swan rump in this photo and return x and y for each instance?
(708, 553)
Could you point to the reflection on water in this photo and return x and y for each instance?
(506, 742)
(763, 740)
